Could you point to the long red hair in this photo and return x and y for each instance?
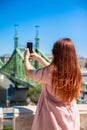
(66, 78)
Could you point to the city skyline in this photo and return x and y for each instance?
(56, 19)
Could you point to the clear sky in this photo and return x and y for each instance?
(56, 18)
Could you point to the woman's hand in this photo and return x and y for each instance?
(34, 55)
(37, 57)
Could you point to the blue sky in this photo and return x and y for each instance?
(56, 18)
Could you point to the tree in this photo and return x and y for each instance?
(86, 65)
(34, 93)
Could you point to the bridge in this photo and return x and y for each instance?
(1, 63)
(14, 68)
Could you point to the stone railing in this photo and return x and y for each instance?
(83, 116)
(1, 119)
(23, 117)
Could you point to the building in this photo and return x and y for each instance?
(82, 61)
(5, 58)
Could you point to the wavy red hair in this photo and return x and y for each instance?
(66, 76)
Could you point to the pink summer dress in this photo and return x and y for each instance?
(52, 113)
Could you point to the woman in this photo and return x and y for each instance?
(61, 84)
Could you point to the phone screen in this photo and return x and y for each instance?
(30, 46)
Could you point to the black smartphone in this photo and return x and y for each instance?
(30, 46)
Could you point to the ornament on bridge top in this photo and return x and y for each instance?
(16, 37)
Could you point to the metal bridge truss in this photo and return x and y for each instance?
(14, 68)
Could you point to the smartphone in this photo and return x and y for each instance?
(30, 46)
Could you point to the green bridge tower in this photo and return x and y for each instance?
(36, 45)
(16, 56)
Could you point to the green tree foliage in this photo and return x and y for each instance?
(86, 65)
(79, 101)
(34, 93)
(7, 128)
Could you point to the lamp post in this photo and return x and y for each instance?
(7, 98)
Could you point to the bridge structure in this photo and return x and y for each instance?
(1, 63)
(14, 68)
